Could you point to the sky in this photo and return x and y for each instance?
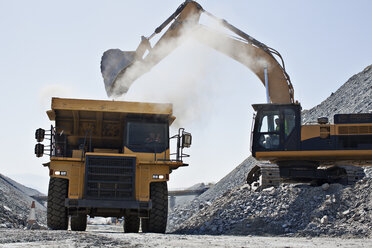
(54, 48)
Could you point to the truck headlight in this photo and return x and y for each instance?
(60, 173)
(158, 176)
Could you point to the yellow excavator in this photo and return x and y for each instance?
(317, 152)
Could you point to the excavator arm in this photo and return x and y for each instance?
(120, 69)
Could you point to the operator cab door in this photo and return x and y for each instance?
(276, 128)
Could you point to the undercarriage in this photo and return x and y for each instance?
(265, 175)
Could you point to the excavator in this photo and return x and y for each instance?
(287, 151)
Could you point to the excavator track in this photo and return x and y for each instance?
(264, 175)
(268, 175)
(353, 173)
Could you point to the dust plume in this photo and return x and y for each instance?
(53, 90)
(184, 83)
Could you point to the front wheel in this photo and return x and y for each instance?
(131, 224)
(79, 222)
(57, 218)
(157, 221)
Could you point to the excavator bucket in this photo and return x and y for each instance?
(114, 62)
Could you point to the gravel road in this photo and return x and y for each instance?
(112, 236)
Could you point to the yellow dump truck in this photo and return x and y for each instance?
(110, 159)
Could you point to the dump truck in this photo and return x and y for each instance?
(315, 152)
(110, 159)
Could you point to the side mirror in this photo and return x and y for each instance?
(186, 140)
(39, 150)
(39, 134)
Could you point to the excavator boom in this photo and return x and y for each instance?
(120, 69)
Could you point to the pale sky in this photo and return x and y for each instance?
(54, 48)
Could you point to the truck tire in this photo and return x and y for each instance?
(57, 218)
(79, 222)
(157, 221)
(131, 224)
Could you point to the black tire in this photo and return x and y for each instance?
(57, 218)
(79, 222)
(131, 224)
(157, 221)
(144, 225)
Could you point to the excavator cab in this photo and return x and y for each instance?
(277, 127)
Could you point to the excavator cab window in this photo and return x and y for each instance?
(276, 128)
(289, 122)
(269, 130)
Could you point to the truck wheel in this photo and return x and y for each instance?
(79, 222)
(157, 221)
(131, 224)
(57, 218)
(145, 225)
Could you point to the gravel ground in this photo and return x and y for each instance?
(112, 236)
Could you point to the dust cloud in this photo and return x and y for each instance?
(54, 90)
(185, 83)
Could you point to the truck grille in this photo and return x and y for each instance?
(109, 177)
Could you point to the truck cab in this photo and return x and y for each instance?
(110, 159)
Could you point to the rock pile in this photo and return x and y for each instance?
(300, 210)
(229, 207)
(235, 178)
(352, 97)
(15, 206)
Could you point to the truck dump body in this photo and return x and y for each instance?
(101, 122)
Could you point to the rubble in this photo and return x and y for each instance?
(294, 210)
(235, 178)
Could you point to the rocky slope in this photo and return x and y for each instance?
(15, 204)
(352, 97)
(235, 178)
(231, 208)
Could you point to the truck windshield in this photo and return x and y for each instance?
(147, 137)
